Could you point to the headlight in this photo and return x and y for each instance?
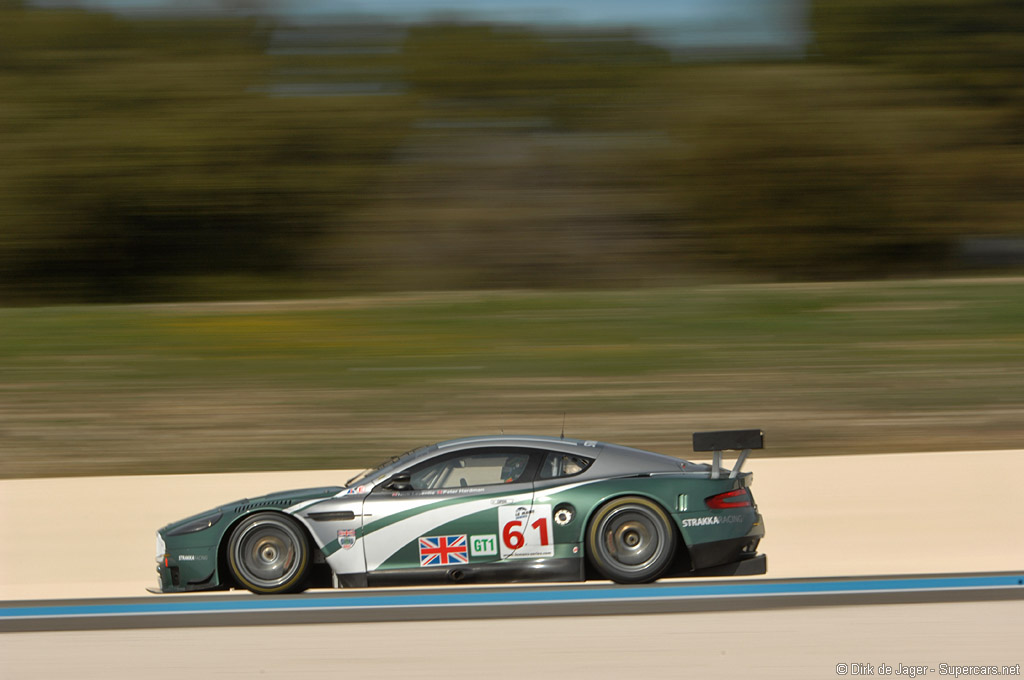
(198, 524)
(161, 552)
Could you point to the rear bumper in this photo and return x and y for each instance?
(753, 565)
(719, 553)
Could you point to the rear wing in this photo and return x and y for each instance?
(743, 441)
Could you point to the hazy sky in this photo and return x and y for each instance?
(711, 22)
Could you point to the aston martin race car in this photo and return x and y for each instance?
(484, 509)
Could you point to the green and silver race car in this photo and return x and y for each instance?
(484, 509)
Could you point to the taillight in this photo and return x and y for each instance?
(737, 498)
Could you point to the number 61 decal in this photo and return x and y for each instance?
(525, 531)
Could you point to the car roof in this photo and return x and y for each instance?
(567, 445)
(628, 457)
(616, 460)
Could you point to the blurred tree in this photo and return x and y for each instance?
(969, 54)
(185, 157)
(142, 155)
(975, 46)
(814, 172)
(565, 79)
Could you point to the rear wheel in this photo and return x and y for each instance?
(631, 540)
(269, 553)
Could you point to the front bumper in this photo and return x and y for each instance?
(181, 570)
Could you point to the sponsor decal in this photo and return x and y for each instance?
(355, 489)
(440, 550)
(346, 538)
(486, 544)
(193, 558)
(525, 531)
(710, 520)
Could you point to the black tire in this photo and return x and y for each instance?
(631, 540)
(269, 553)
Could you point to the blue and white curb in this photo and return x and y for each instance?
(441, 602)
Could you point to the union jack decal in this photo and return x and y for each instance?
(439, 550)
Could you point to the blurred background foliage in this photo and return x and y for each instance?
(344, 201)
(222, 157)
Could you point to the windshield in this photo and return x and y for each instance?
(384, 468)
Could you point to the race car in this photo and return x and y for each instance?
(489, 509)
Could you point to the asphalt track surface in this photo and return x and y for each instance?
(467, 602)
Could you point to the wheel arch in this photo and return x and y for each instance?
(226, 578)
(682, 554)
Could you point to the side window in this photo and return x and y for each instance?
(477, 467)
(563, 465)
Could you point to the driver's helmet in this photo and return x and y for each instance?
(514, 467)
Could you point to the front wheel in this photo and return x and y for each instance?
(268, 553)
(631, 540)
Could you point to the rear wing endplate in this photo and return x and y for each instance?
(743, 441)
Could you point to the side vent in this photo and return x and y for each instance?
(263, 504)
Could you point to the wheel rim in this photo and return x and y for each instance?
(267, 554)
(631, 538)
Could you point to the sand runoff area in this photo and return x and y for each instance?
(824, 516)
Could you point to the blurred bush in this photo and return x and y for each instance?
(221, 157)
(143, 155)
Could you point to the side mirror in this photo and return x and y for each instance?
(400, 482)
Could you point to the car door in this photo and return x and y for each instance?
(445, 513)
